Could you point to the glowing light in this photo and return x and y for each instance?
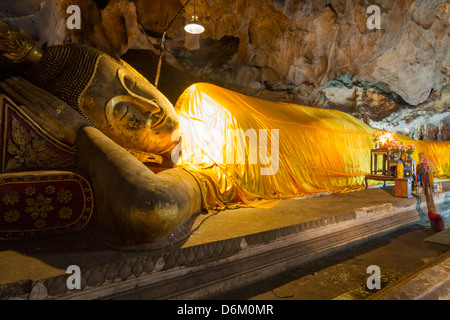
(388, 140)
(194, 27)
(204, 140)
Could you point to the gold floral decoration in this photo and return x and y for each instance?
(39, 207)
(11, 198)
(65, 213)
(50, 190)
(64, 196)
(12, 216)
(30, 191)
(39, 223)
(30, 151)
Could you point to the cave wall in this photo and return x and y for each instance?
(318, 53)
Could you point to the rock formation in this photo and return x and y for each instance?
(319, 53)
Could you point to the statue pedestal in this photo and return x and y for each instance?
(231, 249)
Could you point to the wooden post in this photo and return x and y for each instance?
(428, 193)
(372, 156)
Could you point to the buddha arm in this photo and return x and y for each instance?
(131, 200)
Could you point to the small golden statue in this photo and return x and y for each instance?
(18, 46)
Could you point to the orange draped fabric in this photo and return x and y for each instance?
(247, 151)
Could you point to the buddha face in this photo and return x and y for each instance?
(128, 109)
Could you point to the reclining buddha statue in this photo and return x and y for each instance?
(147, 167)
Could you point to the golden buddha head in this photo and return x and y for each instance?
(113, 96)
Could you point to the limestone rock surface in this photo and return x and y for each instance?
(318, 53)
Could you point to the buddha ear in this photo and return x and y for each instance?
(18, 46)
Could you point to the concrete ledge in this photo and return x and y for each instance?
(199, 271)
(203, 269)
(431, 282)
(439, 241)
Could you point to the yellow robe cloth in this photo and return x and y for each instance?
(302, 149)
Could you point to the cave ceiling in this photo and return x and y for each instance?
(317, 53)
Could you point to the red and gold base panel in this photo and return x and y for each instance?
(44, 203)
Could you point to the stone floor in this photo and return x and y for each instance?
(343, 276)
(38, 259)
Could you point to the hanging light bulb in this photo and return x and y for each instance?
(194, 26)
